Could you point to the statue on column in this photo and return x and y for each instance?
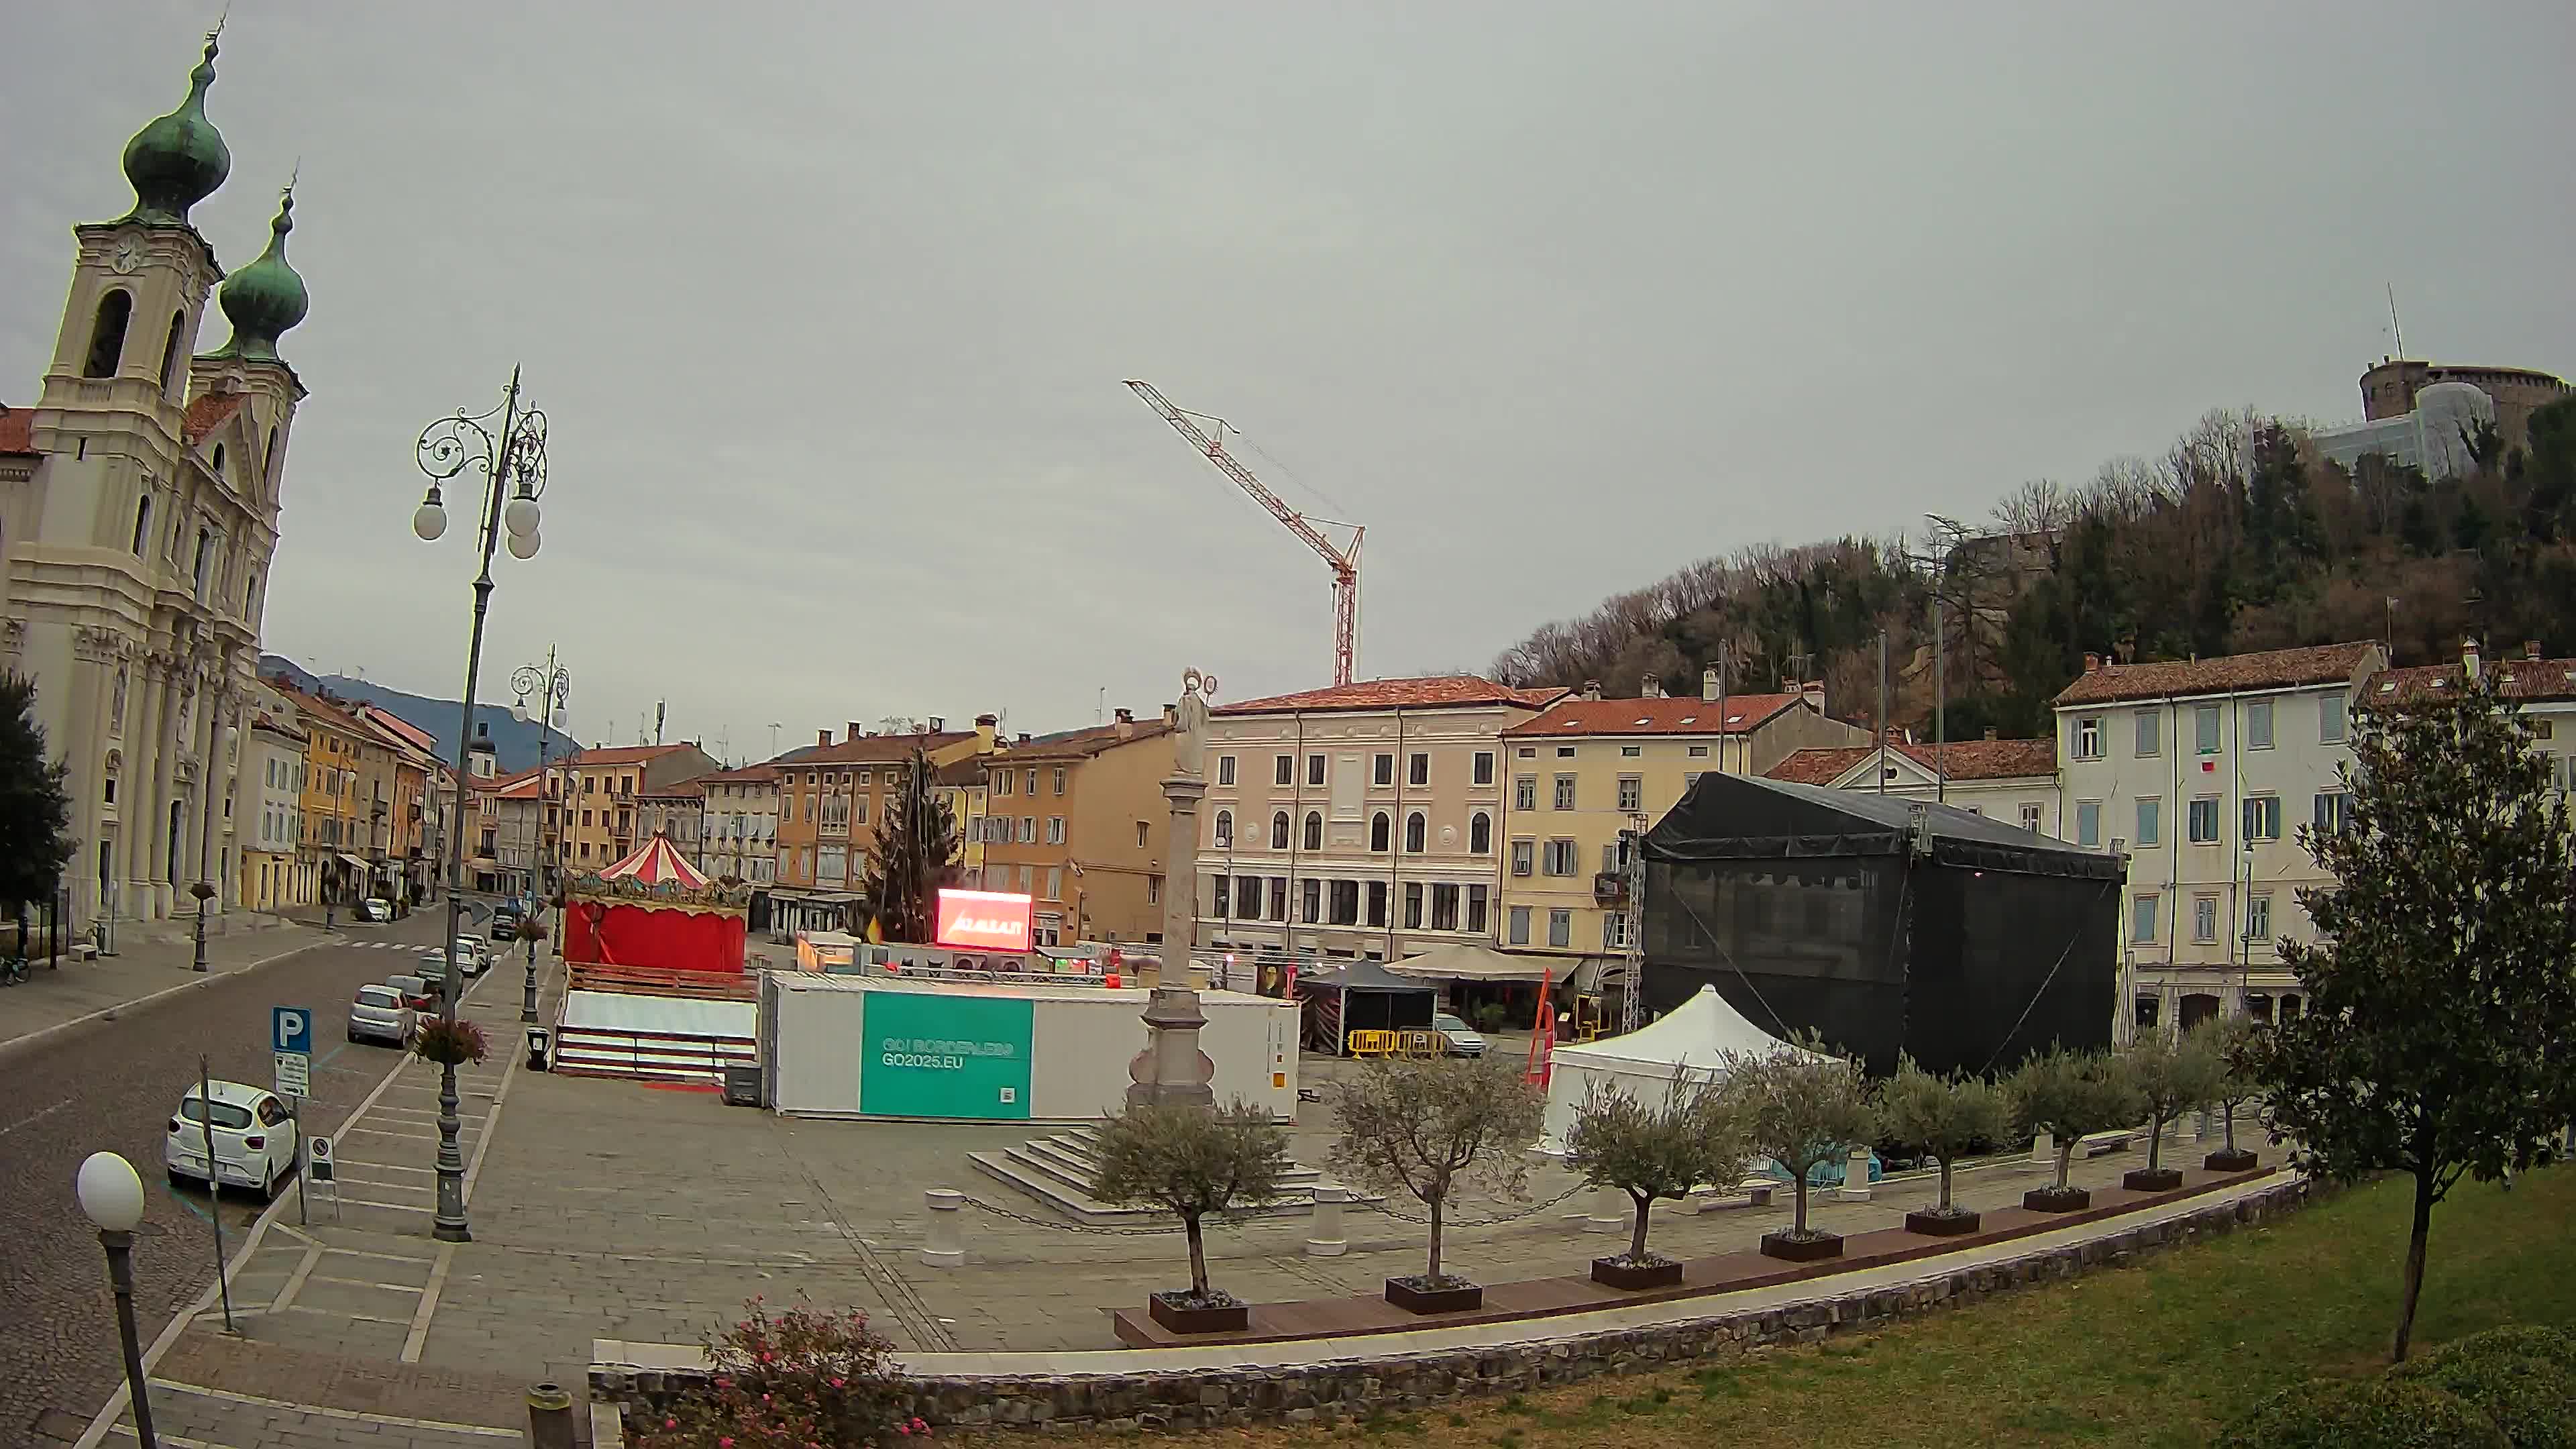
(1189, 732)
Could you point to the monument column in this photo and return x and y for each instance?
(1185, 788)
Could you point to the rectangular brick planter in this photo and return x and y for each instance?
(2054, 1200)
(1180, 1317)
(1434, 1300)
(2151, 1179)
(1801, 1250)
(2223, 1160)
(1941, 1225)
(1611, 1273)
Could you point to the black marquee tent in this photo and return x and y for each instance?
(1361, 995)
(1888, 925)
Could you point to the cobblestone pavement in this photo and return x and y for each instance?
(113, 1085)
(606, 1209)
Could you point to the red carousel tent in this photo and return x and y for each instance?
(655, 909)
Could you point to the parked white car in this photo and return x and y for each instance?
(473, 955)
(381, 1014)
(255, 1140)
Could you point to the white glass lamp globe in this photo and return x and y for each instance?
(523, 545)
(519, 711)
(428, 522)
(110, 1194)
(520, 517)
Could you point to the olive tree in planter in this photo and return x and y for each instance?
(1194, 1164)
(1651, 1153)
(1426, 1127)
(1802, 1107)
(2171, 1075)
(2069, 1095)
(2237, 1043)
(1945, 1118)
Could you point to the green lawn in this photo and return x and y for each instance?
(2154, 1355)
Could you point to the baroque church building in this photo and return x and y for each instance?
(138, 515)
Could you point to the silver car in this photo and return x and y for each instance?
(380, 1014)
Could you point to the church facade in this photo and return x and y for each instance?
(138, 517)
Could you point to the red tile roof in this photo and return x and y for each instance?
(17, 430)
(1655, 716)
(2549, 679)
(1431, 692)
(696, 788)
(2271, 669)
(621, 754)
(1964, 759)
(1085, 743)
(207, 412)
(878, 749)
(964, 773)
(747, 775)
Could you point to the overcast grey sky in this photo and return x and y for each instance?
(830, 304)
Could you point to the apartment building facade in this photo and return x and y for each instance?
(676, 812)
(831, 799)
(2201, 771)
(1362, 820)
(599, 802)
(269, 814)
(1078, 822)
(2008, 780)
(1588, 769)
(964, 785)
(738, 836)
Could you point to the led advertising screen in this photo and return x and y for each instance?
(984, 920)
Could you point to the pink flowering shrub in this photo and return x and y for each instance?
(796, 1379)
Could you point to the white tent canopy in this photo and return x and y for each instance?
(1689, 1044)
(1467, 961)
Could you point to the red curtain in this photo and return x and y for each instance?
(603, 933)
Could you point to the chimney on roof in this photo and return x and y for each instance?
(822, 737)
(1651, 687)
(985, 726)
(1171, 716)
(2531, 649)
(1024, 737)
(1708, 684)
(1990, 732)
(938, 724)
(856, 732)
(1126, 723)
(1592, 689)
(2469, 658)
(2092, 663)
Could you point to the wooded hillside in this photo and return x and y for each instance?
(2237, 538)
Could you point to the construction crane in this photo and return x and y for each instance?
(1345, 560)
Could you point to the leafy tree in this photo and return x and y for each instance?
(2070, 1095)
(1946, 1117)
(1802, 1107)
(1193, 1164)
(2436, 1041)
(1428, 1126)
(35, 813)
(914, 856)
(2237, 1044)
(2171, 1075)
(1655, 1152)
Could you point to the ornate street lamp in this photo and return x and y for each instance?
(553, 687)
(513, 464)
(111, 1197)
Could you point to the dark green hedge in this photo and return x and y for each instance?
(2384, 1413)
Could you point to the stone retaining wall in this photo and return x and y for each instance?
(1349, 1388)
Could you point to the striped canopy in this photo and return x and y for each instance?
(656, 863)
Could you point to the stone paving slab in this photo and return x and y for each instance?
(59, 999)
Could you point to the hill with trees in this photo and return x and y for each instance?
(2239, 537)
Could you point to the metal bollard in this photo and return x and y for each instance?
(2043, 1151)
(1609, 1212)
(1855, 1186)
(946, 1245)
(549, 1417)
(1325, 1236)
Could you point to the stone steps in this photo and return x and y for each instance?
(1059, 1171)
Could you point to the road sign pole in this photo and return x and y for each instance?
(214, 1185)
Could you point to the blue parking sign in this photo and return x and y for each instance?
(290, 1029)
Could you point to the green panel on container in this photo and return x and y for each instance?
(933, 1055)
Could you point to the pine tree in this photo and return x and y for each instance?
(35, 813)
(2436, 1040)
(914, 857)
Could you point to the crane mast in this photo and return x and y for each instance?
(1345, 561)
